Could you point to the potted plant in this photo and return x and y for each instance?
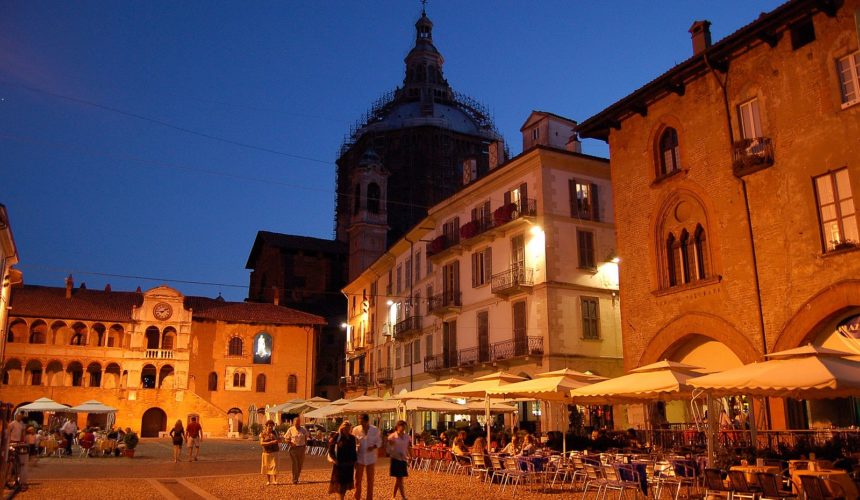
(130, 440)
(844, 244)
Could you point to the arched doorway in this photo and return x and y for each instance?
(234, 420)
(154, 421)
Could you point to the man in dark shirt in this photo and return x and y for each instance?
(194, 431)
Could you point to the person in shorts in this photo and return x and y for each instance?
(398, 450)
(194, 432)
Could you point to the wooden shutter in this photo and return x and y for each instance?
(595, 204)
(455, 268)
(507, 198)
(488, 264)
(574, 209)
(524, 199)
(456, 236)
(474, 214)
(475, 257)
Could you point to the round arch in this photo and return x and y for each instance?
(679, 330)
(60, 333)
(153, 421)
(816, 312)
(38, 332)
(17, 331)
(54, 372)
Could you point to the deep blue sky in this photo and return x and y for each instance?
(91, 190)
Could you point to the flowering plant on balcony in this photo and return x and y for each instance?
(469, 230)
(503, 213)
(437, 245)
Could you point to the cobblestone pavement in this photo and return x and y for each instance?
(227, 469)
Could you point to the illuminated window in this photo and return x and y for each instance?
(583, 200)
(849, 78)
(836, 212)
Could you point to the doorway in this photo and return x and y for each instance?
(154, 421)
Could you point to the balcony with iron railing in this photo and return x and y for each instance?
(517, 278)
(384, 376)
(354, 381)
(751, 155)
(513, 211)
(518, 346)
(407, 327)
(445, 302)
(439, 362)
(476, 227)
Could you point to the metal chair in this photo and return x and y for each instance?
(498, 470)
(769, 484)
(513, 474)
(714, 485)
(814, 488)
(615, 481)
(479, 466)
(740, 487)
(593, 480)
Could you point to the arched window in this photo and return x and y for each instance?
(38, 332)
(263, 348)
(213, 381)
(239, 379)
(235, 347)
(356, 200)
(684, 247)
(670, 252)
(701, 252)
(78, 339)
(168, 338)
(292, 383)
(373, 196)
(261, 383)
(670, 159)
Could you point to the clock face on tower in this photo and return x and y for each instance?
(162, 311)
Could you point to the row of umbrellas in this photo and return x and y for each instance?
(51, 406)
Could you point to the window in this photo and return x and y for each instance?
(407, 354)
(78, 339)
(356, 200)
(590, 317)
(849, 78)
(749, 118)
(836, 210)
(239, 379)
(585, 247)
(428, 345)
(518, 251)
(583, 200)
(416, 304)
(535, 133)
(520, 334)
(416, 351)
(418, 266)
(482, 267)
(235, 347)
(374, 289)
(213, 381)
(36, 377)
(687, 257)
(399, 278)
(408, 270)
(483, 321)
(373, 196)
(390, 284)
(451, 231)
(451, 283)
(397, 357)
(292, 383)
(670, 158)
(519, 197)
(261, 383)
(167, 342)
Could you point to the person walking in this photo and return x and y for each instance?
(16, 435)
(269, 441)
(297, 436)
(342, 453)
(194, 432)
(398, 450)
(69, 429)
(369, 442)
(177, 434)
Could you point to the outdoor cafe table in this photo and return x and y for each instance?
(751, 470)
(538, 462)
(831, 477)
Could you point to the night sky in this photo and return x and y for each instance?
(153, 139)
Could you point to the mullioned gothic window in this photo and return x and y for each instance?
(684, 254)
(234, 348)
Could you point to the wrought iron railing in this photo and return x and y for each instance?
(468, 357)
(751, 155)
(384, 376)
(437, 362)
(409, 325)
(520, 345)
(518, 276)
(444, 301)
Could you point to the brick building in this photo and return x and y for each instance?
(157, 355)
(733, 175)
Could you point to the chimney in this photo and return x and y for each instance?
(83, 286)
(276, 296)
(107, 287)
(70, 283)
(700, 32)
(574, 145)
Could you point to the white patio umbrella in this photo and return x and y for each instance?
(661, 381)
(44, 405)
(431, 390)
(808, 372)
(300, 408)
(328, 410)
(368, 404)
(479, 388)
(93, 406)
(550, 387)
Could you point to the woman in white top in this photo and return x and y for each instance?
(398, 450)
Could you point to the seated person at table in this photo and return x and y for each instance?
(513, 447)
(459, 447)
(443, 438)
(633, 439)
(529, 445)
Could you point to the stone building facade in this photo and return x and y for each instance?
(157, 356)
(734, 176)
(9, 276)
(514, 272)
